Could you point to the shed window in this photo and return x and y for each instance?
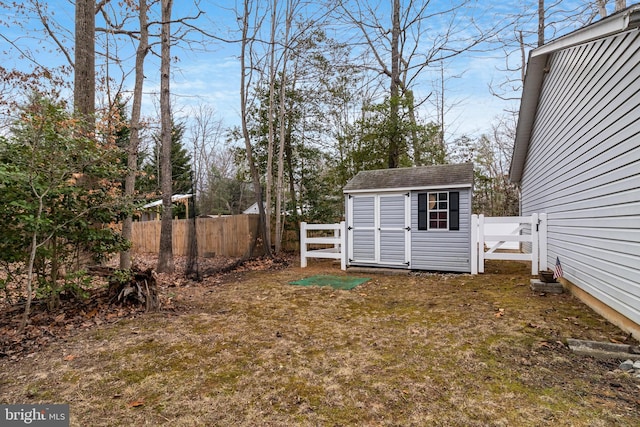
(439, 211)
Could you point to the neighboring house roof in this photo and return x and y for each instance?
(537, 68)
(174, 198)
(253, 209)
(416, 178)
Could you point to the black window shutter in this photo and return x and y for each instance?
(454, 211)
(422, 211)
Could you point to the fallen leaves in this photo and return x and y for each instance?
(74, 315)
(551, 345)
(135, 403)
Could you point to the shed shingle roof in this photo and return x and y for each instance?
(412, 178)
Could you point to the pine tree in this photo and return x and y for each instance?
(180, 165)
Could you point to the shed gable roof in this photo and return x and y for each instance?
(458, 175)
(534, 76)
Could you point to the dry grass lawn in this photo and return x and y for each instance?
(399, 350)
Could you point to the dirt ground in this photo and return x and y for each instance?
(247, 348)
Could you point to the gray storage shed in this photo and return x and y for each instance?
(577, 159)
(412, 218)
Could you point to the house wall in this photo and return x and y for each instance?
(442, 250)
(583, 168)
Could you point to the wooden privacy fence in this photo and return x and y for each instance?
(531, 233)
(232, 236)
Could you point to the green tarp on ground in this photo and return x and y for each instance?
(336, 282)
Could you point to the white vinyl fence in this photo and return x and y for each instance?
(500, 238)
(530, 233)
(337, 249)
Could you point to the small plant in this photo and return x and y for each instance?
(76, 284)
(120, 276)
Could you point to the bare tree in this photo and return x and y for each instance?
(250, 24)
(165, 256)
(272, 75)
(602, 8)
(84, 91)
(532, 27)
(394, 143)
(404, 51)
(540, 22)
(290, 9)
(135, 128)
(210, 157)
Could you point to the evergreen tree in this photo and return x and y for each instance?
(149, 183)
(369, 140)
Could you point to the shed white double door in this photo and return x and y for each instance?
(379, 229)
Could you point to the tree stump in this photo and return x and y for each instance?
(140, 288)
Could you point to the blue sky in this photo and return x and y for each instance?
(209, 75)
(212, 76)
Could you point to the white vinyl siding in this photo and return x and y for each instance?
(583, 168)
(442, 250)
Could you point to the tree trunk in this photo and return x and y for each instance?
(523, 56)
(134, 137)
(271, 115)
(620, 5)
(394, 132)
(30, 267)
(540, 22)
(602, 8)
(84, 89)
(280, 177)
(165, 257)
(441, 108)
(255, 177)
(282, 121)
(288, 152)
